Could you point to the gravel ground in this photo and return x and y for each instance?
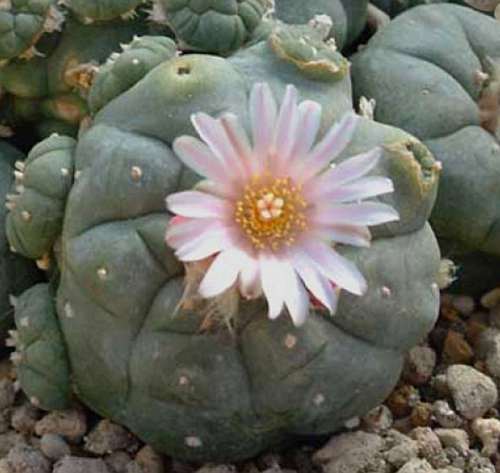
(442, 417)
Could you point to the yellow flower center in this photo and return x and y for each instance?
(271, 212)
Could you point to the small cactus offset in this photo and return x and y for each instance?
(200, 372)
(16, 273)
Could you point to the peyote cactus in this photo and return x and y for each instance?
(211, 26)
(442, 85)
(348, 16)
(23, 23)
(16, 273)
(139, 356)
(50, 91)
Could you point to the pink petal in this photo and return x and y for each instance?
(365, 213)
(182, 230)
(271, 272)
(308, 126)
(197, 205)
(286, 129)
(222, 273)
(250, 285)
(263, 115)
(334, 266)
(197, 156)
(343, 173)
(346, 234)
(295, 295)
(206, 244)
(334, 142)
(361, 189)
(215, 136)
(238, 138)
(318, 285)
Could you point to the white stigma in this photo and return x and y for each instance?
(270, 206)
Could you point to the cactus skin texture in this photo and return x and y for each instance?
(348, 16)
(443, 85)
(16, 273)
(219, 26)
(213, 395)
(127, 68)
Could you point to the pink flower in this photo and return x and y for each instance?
(270, 211)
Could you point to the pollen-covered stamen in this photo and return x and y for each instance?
(271, 212)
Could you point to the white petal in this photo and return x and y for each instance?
(206, 244)
(263, 115)
(355, 235)
(250, 285)
(286, 128)
(335, 267)
(214, 135)
(360, 189)
(185, 231)
(271, 273)
(239, 141)
(307, 128)
(365, 213)
(222, 273)
(197, 205)
(296, 297)
(197, 156)
(345, 172)
(334, 142)
(318, 284)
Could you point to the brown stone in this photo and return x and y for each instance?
(402, 400)
(421, 414)
(456, 349)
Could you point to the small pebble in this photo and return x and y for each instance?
(24, 418)
(150, 461)
(8, 440)
(26, 459)
(54, 446)
(416, 465)
(464, 304)
(7, 394)
(70, 424)
(456, 349)
(379, 419)
(421, 414)
(402, 400)
(488, 431)
(429, 446)
(419, 365)
(491, 299)
(454, 438)
(472, 391)
(108, 437)
(445, 416)
(80, 465)
(402, 453)
(118, 461)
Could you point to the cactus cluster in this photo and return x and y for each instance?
(118, 321)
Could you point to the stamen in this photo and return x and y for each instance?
(271, 212)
